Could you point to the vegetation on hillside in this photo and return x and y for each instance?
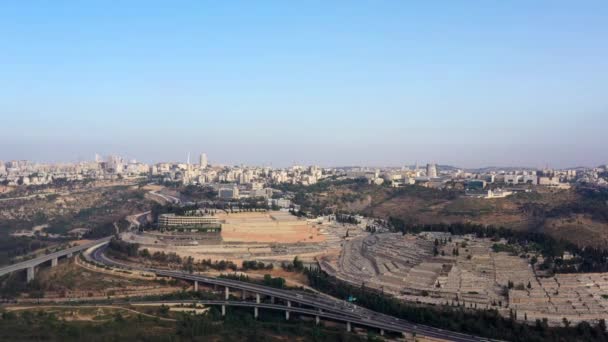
(237, 325)
(565, 214)
(587, 259)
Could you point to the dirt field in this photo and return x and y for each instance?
(71, 280)
(274, 226)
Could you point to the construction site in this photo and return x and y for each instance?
(273, 236)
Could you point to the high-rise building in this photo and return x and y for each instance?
(431, 170)
(203, 160)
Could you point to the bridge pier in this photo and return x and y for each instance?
(70, 255)
(255, 312)
(317, 319)
(227, 292)
(287, 311)
(348, 327)
(223, 310)
(196, 285)
(30, 273)
(271, 299)
(257, 298)
(381, 332)
(53, 262)
(244, 295)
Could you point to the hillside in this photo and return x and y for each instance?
(577, 215)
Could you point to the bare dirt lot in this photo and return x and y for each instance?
(274, 226)
(71, 280)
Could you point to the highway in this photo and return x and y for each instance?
(42, 259)
(24, 265)
(167, 198)
(332, 308)
(435, 333)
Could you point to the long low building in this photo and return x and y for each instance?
(200, 223)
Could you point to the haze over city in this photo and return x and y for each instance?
(389, 83)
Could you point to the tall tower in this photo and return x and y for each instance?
(203, 160)
(431, 170)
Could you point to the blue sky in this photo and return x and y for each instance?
(469, 83)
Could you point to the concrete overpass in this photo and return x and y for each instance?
(316, 305)
(317, 314)
(30, 265)
(349, 322)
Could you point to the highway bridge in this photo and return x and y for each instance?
(303, 303)
(30, 265)
(316, 305)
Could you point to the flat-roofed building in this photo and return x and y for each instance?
(228, 193)
(200, 223)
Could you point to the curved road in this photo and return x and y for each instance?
(27, 264)
(167, 198)
(331, 308)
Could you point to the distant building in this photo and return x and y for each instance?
(398, 183)
(266, 193)
(281, 203)
(552, 182)
(228, 193)
(523, 178)
(498, 193)
(203, 161)
(475, 184)
(431, 170)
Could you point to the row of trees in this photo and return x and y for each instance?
(119, 247)
(13, 246)
(122, 249)
(189, 264)
(100, 231)
(162, 257)
(268, 280)
(219, 265)
(295, 266)
(256, 265)
(345, 218)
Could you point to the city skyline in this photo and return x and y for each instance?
(200, 159)
(467, 84)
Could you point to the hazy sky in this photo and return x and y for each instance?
(468, 83)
